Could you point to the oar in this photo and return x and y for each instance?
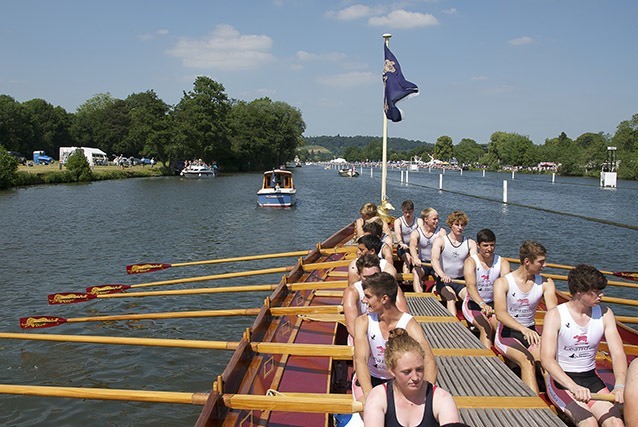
(340, 352)
(148, 267)
(612, 300)
(36, 322)
(67, 297)
(71, 297)
(631, 275)
(295, 402)
(609, 282)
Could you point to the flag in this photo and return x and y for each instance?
(396, 86)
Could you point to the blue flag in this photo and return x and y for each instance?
(396, 86)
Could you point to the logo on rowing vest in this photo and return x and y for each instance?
(523, 301)
(581, 339)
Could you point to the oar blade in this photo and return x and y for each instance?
(107, 289)
(38, 322)
(145, 268)
(69, 297)
(631, 275)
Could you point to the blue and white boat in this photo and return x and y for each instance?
(277, 190)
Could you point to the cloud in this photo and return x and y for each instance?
(350, 79)
(403, 19)
(151, 36)
(451, 11)
(224, 49)
(331, 56)
(351, 13)
(521, 41)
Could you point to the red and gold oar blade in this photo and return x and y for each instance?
(36, 322)
(145, 268)
(631, 275)
(69, 297)
(106, 289)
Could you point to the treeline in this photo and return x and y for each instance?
(583, 156)
(205, 124)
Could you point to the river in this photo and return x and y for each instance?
(63, 238)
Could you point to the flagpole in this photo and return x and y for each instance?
(384, 157)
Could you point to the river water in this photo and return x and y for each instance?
(66, 237)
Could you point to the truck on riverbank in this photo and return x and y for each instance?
(94, 156)
(41, 158)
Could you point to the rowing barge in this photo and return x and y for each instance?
(311, 389)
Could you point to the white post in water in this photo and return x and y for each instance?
(371, 172)
(512, 174)
(361, 170)
(401, 175)
(504, 191)
(407, 179)
(553, 177)
(461, 172)
(483, 173)
(441, 182)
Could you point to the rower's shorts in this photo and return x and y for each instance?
(456, 287)
(561, 397)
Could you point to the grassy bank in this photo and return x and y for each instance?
(52, 174)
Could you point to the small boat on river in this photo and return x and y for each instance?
(195, 171)
(277, 190)
(350, 172)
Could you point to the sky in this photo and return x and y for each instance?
(532, 67)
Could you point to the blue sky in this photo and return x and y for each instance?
(534, 67)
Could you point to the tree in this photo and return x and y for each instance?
(443, 148)
(513, 149)
(200, 124)
(90, 122)
(8, 168)
(149, 131)
(78, 167)
(50, 126)
(468, 151)
(16, 128)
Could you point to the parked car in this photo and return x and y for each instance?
(19, 157)
(41, 158)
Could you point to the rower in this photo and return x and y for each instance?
(368, 243)
(572, 332)
(408, 399)
(368, 212)
(448, 257)
(403, 228)
(371, 334)
(375, 228)
(481, 271)
(421, 241)
(353, 305)
(516, 298)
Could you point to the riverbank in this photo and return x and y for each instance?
(53, 174)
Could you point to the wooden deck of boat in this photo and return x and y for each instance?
(487, 392)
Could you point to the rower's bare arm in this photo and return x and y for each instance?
(505, 267)
(375, 408)
(361, 354)
(350, 308)
(473, 247)
(416, 332)
(353, 274)
(445, 410)
(414, 251)
(617, 352)
(500, 305)
(437, 248)
(469, 272)
(549, 294)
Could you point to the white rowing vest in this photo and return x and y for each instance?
(453, 257)
(376, 361)
(406, 230)
(577, 345)
(425, 244)
(485, 278)
(522, 305)
(362, 307)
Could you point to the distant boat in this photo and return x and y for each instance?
(349, 172)
(198, 172)
(277, 190)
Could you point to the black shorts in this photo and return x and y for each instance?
(401, 251)
(374, 380)
(475, 307)
(456, 287)
(518, 335)
(589, 379)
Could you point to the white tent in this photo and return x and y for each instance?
(94, 156)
